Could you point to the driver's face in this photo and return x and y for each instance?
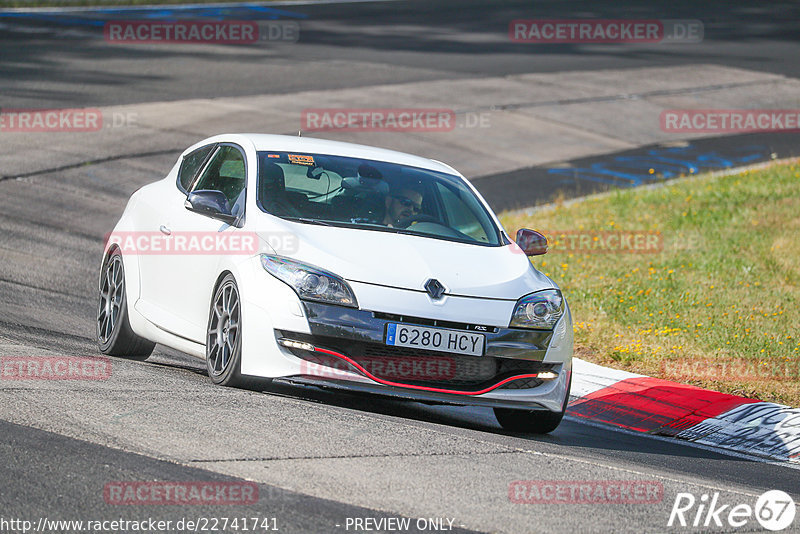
(404, 204)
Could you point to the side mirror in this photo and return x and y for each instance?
(210, 203)
(531, 242)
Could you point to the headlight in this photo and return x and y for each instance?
(309, 282)
(542, 309)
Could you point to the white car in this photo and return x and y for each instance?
(337, 265)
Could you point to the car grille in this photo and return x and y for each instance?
(416, 367)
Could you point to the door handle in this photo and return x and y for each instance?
(165, 230)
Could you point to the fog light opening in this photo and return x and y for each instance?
(292, 344)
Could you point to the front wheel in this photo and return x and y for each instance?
(532, 421)
(114, 334)
(528, 421)
(224, 339)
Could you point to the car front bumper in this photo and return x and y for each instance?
(346, 348)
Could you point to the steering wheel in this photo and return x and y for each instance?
(405, 222)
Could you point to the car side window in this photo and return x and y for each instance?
(225, 173)
(191, 165)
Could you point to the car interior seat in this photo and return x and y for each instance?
(272, 191)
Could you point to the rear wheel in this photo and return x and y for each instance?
(532, 421)
(114, 334)
(224, 339)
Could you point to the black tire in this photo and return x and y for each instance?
(532, 421)
(224, 339)
(114, 334)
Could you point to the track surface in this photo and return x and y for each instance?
(355, 45)
(319, 458)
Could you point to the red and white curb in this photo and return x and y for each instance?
(644, 404)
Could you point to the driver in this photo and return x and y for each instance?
(401, 203)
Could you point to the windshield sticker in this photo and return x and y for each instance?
(299, 159)
(273, 155)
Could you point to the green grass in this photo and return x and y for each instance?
(716, 307)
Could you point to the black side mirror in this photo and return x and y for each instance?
(531, 242)
(210, 203)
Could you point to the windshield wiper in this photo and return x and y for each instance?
(307, 220)
(384, 228)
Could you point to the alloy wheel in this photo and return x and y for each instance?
(223, 329)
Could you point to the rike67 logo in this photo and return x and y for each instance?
(774, 510)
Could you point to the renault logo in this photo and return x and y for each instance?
(434, 288)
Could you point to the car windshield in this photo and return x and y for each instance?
(372, 195)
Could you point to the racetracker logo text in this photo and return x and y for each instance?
(388, 368)
(199, 243)
(740, 369)
(200, 32)
(605, 242)
(730, 120)
(554, 31)
(51, 120)
(585, 492)
(180, 493)
(64, 120)
(378, 120)
(54, 368)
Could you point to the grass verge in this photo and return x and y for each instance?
(714, 303)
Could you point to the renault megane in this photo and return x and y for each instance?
(341, 266)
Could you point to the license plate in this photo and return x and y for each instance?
(440, 339)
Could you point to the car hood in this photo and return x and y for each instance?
(408, 262)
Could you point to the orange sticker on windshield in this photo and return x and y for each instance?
(299, 159)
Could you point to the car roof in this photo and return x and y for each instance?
(311, 145)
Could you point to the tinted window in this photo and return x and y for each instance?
(372, 195)
(225, 173)
(191, 165)
(463, 213)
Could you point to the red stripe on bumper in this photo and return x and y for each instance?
(423, 388)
